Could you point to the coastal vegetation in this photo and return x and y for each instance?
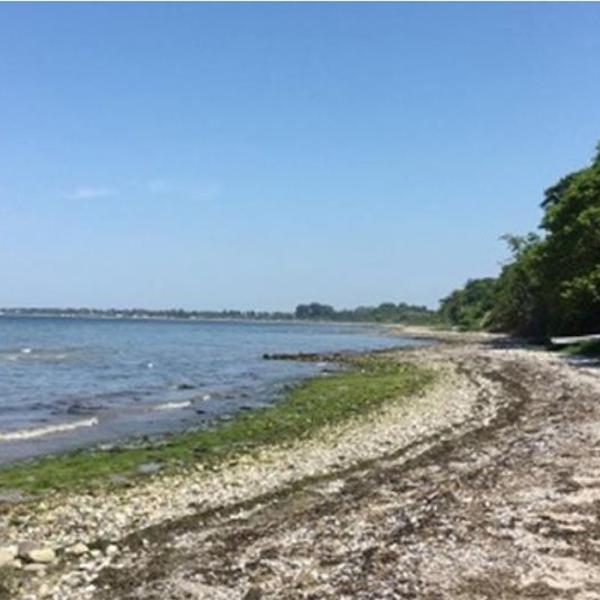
(551, 285)
(470, 306)
(386, 312)
(363, 385)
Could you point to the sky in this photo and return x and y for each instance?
(255, 156)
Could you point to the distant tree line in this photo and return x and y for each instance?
(144, 313)
(387, 312)
(551, 285)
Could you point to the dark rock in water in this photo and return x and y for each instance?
(185, 386)
(306, 356)
(246, 407)
(149, 468)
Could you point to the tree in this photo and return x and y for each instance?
(470, 306)
(552, 285)
(314, 310)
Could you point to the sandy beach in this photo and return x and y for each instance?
(485, 485)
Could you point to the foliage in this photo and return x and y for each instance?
(387, 312)
(561, 271)
(552, 284)
(517, 302)
(314, 310)
(469, 307)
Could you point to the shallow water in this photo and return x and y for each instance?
(67, 383)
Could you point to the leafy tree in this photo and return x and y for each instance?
(552, 284)
(314, 310)
(518, 305)
(470, 306)
(386, 312)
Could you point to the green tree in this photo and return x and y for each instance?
(552, 285)
(470, 306)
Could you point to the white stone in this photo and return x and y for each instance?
(7, 554)
(78, 549)
(35, 553)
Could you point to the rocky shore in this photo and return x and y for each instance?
(487, 484)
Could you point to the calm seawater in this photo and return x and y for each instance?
(67, 383)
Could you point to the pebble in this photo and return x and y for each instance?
(78, 549)
(149, 468)
(7, 554)
(35, 553)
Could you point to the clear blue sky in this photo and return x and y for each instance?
(260, 155)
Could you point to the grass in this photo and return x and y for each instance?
(367, 384)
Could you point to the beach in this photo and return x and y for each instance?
(485, 481)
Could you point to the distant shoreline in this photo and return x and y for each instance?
(391, 327)
(386, 312)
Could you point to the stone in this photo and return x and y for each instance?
(35, 568)
(11, 497)
(119, 479)
(42, 555)
(149, 468)
(111, 550)
(35, 553)
(78, 549)
(8, 554)
(254, 593)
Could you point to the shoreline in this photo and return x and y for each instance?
(453, 470)
(109, 426)
(129, 457)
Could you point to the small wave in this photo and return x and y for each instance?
(25, 434)
(172, 405)
(35, 355)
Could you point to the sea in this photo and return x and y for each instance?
(68, 383)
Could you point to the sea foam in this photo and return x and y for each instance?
(25, 434)
(172, 405)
